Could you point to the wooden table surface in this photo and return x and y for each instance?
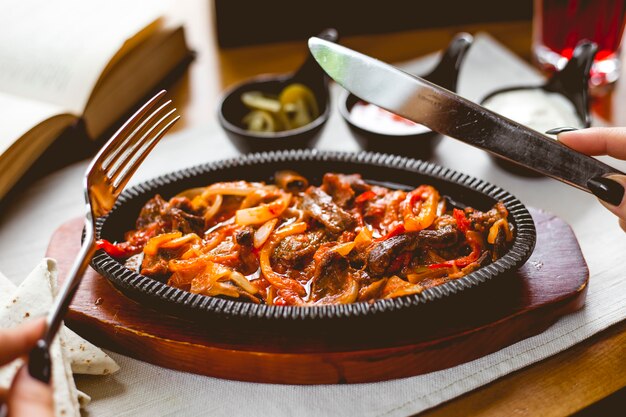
(578, 377)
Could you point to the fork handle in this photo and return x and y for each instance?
(39, 364)
(70, 285)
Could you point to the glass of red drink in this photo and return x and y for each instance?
(558, 25)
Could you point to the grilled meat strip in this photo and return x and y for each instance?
(384, 253)
(320, 206)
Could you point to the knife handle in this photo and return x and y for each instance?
(568, 165)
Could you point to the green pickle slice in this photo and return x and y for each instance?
(295, 107)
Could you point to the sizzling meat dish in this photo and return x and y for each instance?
(291, 243)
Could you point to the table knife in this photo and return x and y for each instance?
(441, 110)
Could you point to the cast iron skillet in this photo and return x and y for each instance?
(332, 322)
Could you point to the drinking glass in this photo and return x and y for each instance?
(558, 25)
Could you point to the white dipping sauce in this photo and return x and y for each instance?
(535, 108)
(375, 119)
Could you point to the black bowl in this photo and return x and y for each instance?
(572, 83)
(416, 144)
(419, 145)
(332, 324)
(231, 112)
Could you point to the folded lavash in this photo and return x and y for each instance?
(24, 304)
(84, 357)
(69, 352)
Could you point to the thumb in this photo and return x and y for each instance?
(30, 397)
(610, 191)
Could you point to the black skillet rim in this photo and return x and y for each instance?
(127, 280)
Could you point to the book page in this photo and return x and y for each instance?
(55, 51)
(19, 115)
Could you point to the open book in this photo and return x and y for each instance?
(68, 59)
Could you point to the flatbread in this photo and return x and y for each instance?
(65, 392)
(83, 399)
(84, 357)
(33, 298)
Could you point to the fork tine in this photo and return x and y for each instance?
(129, 144)
(128, 126)
(142, 136)
(129, 169)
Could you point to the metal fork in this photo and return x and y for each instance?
(105, 178)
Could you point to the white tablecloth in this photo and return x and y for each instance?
(143, 389)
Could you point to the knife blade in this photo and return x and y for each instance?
(441, 110)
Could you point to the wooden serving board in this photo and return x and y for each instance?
(486, 319)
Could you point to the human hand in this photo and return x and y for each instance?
(603, 141)
(27, 396)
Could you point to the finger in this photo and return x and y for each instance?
(30, 397)
(3, 395)
(19, 340)
(610, 191)
(597, 141)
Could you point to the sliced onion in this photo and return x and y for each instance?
(408, 290)
(271, 295)
(416, 277)
(242, 282)
(373, 290)
(495, 228)
(344, 249)
(294, 214)
(264, 212)
(215, 207)
(364, 238)
(290, 181)
(175, 243)
(184, 271)
(441, 207)
(256, 196)
(241, 188)
(203, 200)
(207, 282)
(153, 245)
(191, 193)
(397, 287)
(277, 280)
(263, 233)
(347, 296)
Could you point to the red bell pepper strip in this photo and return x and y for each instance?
(366, 196)
(279, 301)
(474, 240)
(462, 222)
(420, 208)
(117, 250)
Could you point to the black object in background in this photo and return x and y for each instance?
(245, 22)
